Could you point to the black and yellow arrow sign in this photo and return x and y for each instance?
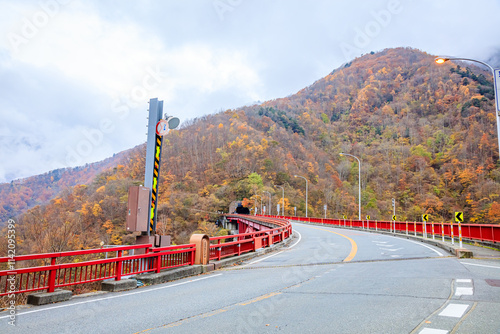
(394, 217)
(344, 216)
(459, 216)
(425, 217)
(368, 217)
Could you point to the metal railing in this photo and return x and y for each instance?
(59, 274)
(37, 272)
(473, 232)
(249, 242)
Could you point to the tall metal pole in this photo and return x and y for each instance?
(153, 159)
(359, 177)
(496, 76)
(269, 201)
(306, 190)
(282, 199)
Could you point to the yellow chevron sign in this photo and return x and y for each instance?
(425, 217)
(459, 216)
(394, 217)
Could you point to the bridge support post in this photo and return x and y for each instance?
(52, 276)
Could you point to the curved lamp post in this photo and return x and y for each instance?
(359, 183)
(496, 76)
(306, 189)
(282, 199)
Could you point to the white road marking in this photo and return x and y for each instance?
(464, 280)
(295, 244)
(479, 265)
(264, 258)
(117, 296)
(433, 331)
(421, 244)
(464, 291)
(391, 250)
(454, 310)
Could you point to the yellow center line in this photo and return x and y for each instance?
(354, 246)
(269, 295)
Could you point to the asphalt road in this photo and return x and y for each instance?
(327, 281)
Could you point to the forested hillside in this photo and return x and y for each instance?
(20, 195)
(425, 134)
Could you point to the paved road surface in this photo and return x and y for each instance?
(327, 281)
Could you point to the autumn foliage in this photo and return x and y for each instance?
(425, 134)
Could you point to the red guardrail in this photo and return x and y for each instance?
(474, 232)
(56, 270)
(49, 277)
(249, 242)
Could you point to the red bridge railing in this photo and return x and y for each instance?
(237, 244)
(37, 272)
(58, 274)
(473, 232)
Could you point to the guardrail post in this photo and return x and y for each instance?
(442, 230)
(407, 228)
(193, 253)
(52, 275)
(452, 236)
(158, 264)
(119, 266)
(460, 234)
(415, 228)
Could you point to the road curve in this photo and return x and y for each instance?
(328, 280)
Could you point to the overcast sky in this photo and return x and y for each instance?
(76, 76)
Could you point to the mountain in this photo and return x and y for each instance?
(425, 135)
(18, 196)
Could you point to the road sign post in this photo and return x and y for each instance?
(459, 218)
(425, 217)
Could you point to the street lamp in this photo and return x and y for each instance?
(270, 209)
(359, 176)
(282, 199)
(496, 76)
(260, 202)
(306, 189)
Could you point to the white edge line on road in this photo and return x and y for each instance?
(267, 257)
(479, 265)
(300, 238)
(264, 258)
(421, 244)
(112, 297)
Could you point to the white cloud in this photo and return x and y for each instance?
(91, 62)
